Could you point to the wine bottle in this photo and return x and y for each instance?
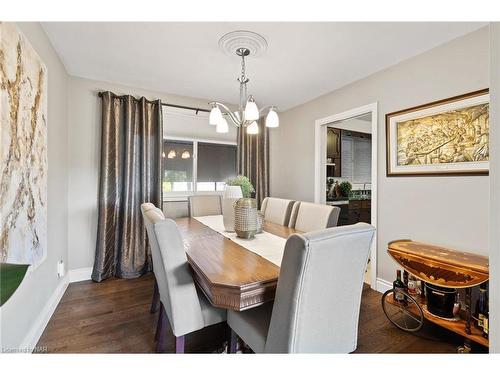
(481, 308)
(398, 287)
(485, 324)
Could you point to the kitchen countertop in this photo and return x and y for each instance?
(337, 203)
(345, 200)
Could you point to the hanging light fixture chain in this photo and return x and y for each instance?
(243, 86)
(243, 68)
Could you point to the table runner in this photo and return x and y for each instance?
(267, 245)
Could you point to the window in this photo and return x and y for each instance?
(356, 159)
(196, 166)
(177, 166)
(216, 163)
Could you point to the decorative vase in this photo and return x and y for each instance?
(231, 195)
(245, 217)
(260, 222)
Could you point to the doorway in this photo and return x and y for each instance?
(368, 117)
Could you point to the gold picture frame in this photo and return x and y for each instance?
(445, 137)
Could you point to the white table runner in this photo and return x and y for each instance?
(265, 244)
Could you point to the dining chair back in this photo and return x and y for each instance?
(277, 210)
(307, 217)
(175, 283)
(150, 206)
(317, 303)
(144, 208)
(204, 205)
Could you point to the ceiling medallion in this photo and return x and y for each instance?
(243, 44)
(253, 42)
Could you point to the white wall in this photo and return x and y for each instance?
(84, 154)
(494, 293)
(354, 124)
(184, 123)
(24, 314)
(451, 211)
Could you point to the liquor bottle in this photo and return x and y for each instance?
(486, 324)
(412, 285)
(399, 287)
(421, 288)
(481, 308)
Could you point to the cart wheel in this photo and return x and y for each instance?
(406, 315)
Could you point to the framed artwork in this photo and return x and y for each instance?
(23, 150)
(447, 137)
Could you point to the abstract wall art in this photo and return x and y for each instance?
(450, 136)
(23, 150)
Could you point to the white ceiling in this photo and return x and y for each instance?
(302, 62)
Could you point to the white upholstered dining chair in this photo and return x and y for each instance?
(317, 303)
(181, 303)
(277, 210)
(204, 205)
(307, 217)
(156, 296)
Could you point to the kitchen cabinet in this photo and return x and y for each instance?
(333, 152)
(333, 144)
(354, 212)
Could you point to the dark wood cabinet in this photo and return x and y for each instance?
(333, 152)
(333, 144)
(354, 212)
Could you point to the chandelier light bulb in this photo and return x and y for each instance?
(272, 119)
(253, 128)
(171, 154)
(215, 115)
(251, 110)
(222, 126)
(185, 154)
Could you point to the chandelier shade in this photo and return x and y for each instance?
(222, 126)
(251, 110)
(272, 119)
(253, 128)
(215, 115)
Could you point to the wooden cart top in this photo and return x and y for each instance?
(439, 265)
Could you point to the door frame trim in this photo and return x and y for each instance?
(319, 167)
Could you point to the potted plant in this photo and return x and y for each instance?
(244, 183)
(345, 188)
(245, 208)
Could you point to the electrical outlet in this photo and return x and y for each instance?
(60, 268)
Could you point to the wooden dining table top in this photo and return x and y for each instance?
(230, 275)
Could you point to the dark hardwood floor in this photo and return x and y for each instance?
(113, 317)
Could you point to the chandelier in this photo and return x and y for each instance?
(242, 43)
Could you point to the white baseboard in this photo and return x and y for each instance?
(80, 274)
(383, 285)
(43, 318)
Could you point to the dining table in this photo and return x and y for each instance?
(233, 273)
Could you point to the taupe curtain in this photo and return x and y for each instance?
(130, 174)
(253, 159)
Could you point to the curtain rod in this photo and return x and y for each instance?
(163, 104)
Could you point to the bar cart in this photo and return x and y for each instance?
(441, 267)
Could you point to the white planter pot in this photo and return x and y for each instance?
(231, 195)
(228, 213)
